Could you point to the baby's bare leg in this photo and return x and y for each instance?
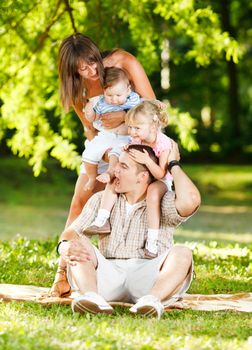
(91, 171)
(108, 176)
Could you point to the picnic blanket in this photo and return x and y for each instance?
(215, 302)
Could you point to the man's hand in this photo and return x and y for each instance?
(74, 252)
(139, 157)
(113, 119)
(174, 152)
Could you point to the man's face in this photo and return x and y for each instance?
(126, 174)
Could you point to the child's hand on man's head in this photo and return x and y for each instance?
(139, 157)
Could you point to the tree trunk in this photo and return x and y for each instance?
(233, 98)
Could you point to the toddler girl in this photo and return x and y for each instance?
(144, 126)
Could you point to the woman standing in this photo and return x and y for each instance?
(81, 67)
(81, 71)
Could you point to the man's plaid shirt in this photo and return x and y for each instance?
(128, 235)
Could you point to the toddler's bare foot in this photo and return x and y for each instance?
(105, 178)
(90, 185)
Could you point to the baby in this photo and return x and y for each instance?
(118, 96)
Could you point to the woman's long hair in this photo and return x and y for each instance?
(72, 50)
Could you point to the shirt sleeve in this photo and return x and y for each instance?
(98, 107)
(132, 100)
(169, 213)
(87, 215)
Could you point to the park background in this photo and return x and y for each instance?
(198, 56)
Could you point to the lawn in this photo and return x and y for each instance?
(220, 233)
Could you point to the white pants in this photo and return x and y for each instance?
(129, 279)
(104, 141)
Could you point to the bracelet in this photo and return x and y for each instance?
(58, 245)
(173, 163)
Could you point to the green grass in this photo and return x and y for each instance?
(220, 234)
(33, 207)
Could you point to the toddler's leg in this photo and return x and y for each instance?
(101, 224)
(91, 171)
(155, 192)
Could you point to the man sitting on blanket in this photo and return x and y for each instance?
(118, 271)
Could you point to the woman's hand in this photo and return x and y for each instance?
(74, 251)
(160, 104)
(113, 119)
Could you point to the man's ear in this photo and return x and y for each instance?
(143, 176)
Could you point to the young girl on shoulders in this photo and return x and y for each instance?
(145, 123)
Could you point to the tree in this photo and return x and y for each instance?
(31, 33)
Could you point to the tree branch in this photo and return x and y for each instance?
(70, 12)
(19, 20)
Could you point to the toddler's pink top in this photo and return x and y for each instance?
(163, 143)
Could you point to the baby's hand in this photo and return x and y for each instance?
(89, 111)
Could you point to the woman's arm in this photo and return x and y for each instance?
(137, 75)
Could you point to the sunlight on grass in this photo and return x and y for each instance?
(31, 221)
(225, 209)
(184, 235)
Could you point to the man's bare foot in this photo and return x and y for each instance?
(90, 185)
(105, 178)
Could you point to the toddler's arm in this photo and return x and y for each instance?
(157, 170)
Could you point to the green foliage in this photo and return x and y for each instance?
(31, 117)
(185, 127)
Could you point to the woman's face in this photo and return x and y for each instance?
(87, 70)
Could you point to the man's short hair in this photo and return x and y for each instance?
(151, 153)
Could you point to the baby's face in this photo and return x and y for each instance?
(117, 94)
